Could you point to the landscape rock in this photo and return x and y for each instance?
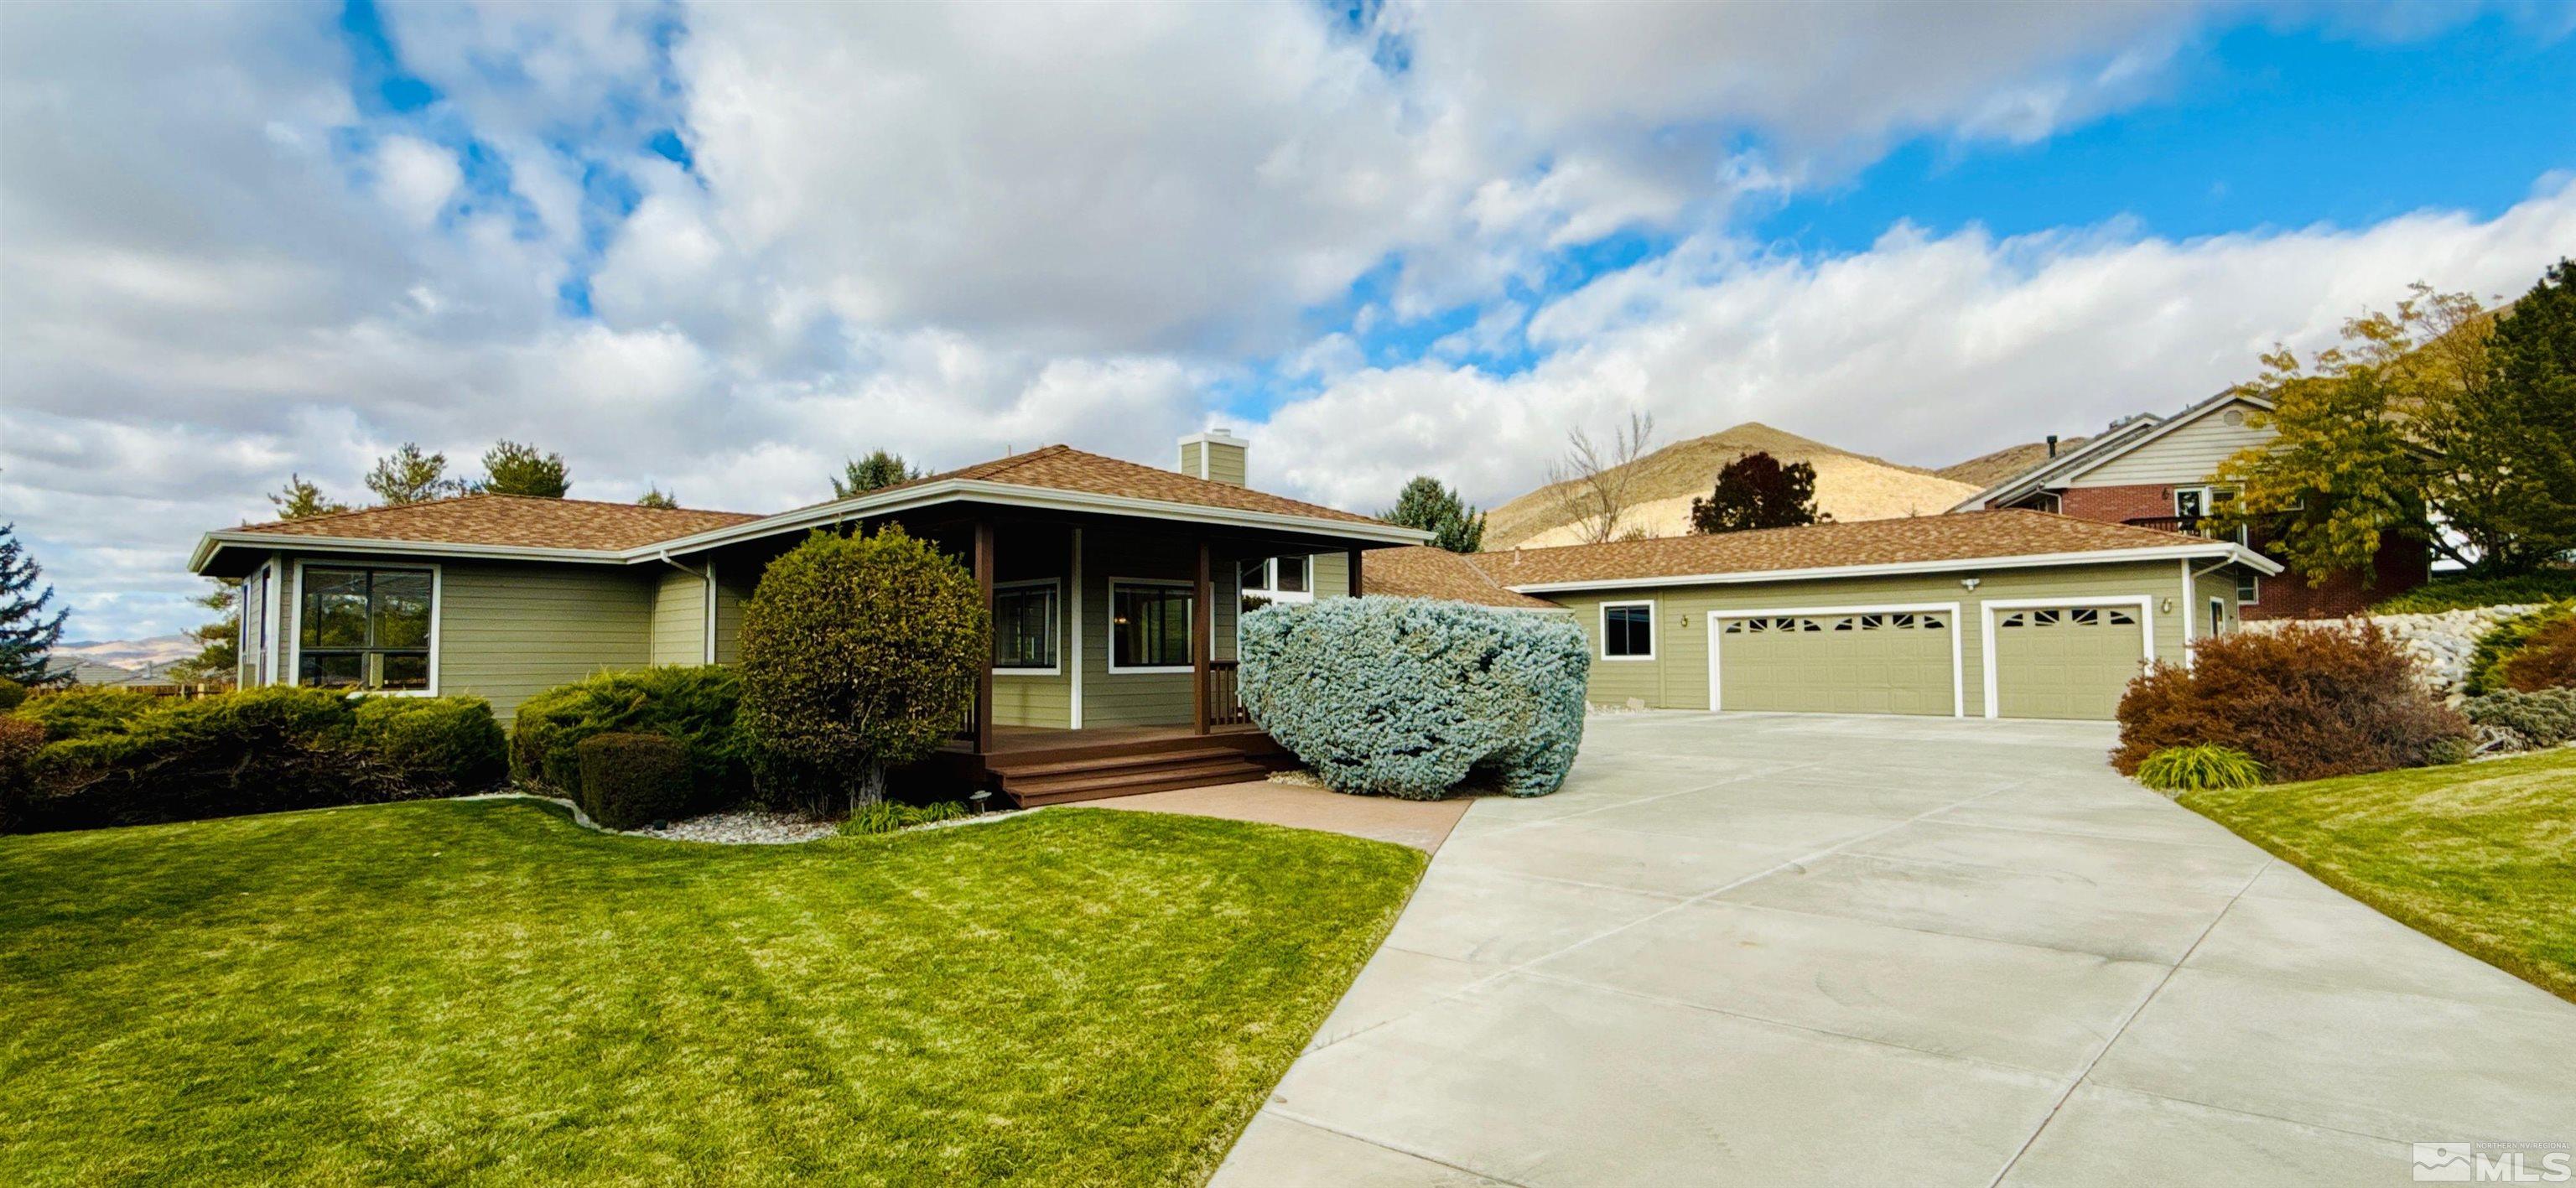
(2441, 642)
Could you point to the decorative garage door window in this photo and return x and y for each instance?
(2074, 616)
(1897, 621)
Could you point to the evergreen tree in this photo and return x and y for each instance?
(27, 633)
(300, 499)
(878, 469)
(1430, 505)
(218, 659)
(657, 497)
(409, 476)
(1756, 491)
(2533, 390)
(510, 468)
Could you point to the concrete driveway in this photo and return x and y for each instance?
(1768, 949)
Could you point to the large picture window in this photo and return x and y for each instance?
(364, 628)
(1149, 627)
(1628, 631)
(1024, 627)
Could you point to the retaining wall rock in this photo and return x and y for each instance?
(2441, 642)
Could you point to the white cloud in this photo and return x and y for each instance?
(416, 178)
(1923, 349)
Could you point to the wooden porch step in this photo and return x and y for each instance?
(1101, 786)
(1010, 767)
(1078, 750)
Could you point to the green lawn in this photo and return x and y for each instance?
(480, 991)
(2480, 855)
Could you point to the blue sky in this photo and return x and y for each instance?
(717, 248)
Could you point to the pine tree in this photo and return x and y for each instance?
(409, 476)
(27, 633)
(218, 659)
(878, 469)
(1430, 505)
(2533, 389)
(300, 500)
(1756, 491)
(657, 497)
(510, 468)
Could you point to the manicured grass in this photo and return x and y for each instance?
(2479, 855)
(479, 991)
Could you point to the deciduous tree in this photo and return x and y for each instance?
(1594, 485)
(1757, 491)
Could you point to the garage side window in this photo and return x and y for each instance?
(1628, 630)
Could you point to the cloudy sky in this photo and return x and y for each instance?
(718, 248)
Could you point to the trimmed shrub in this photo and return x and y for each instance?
(697, 704)
(2455, 593)
(86, 711)
(1410, 697)
(887, 816)
(2546, 659)
(858, 654)
(629, 781)
(2306, 701)
(20, 739)
(12, 694)
(2544, 718)
(447, 743)
(2199, 769)
(2506, 640)
(256, 751)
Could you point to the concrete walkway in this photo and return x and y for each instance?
(1772, 949)
(1421, 824)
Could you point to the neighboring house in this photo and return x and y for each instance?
(1114, 588)
(2015, 613)
(2155, 472)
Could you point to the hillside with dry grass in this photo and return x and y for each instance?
(1986, 470)
(1849, 486)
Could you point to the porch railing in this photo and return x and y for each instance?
(2204, 526)
(1225, 702)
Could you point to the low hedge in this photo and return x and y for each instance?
(695, 704)
(629, 781)
(253, 751)
(2460, 593)
(20, 739)
(2307, 701)
(2498, 660)
(12, 694)
(1410, 697)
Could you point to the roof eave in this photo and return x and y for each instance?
(897, 499)
(213, 543)
(2228, 550)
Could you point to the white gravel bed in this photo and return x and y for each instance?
(751, 827)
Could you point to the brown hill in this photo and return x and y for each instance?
(1849, 486)
(1986, 470)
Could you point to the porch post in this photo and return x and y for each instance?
(1356, 588)
(984, 670)
(1202, 625)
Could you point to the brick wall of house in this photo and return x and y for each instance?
(2401, 565)
(2114, 504)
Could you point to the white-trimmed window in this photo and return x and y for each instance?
(365, 628)
(2218, 616)
(1628, 630)
(2249, 587)
(1026, 622)
(1265, 580)
(250, 600)
(1149, 626)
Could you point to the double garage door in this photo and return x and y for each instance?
(2049, 662)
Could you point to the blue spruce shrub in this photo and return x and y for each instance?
(1408, 697)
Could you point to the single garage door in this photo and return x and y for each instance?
(1887, 663)
(2065, 661)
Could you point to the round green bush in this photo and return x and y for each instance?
(858, 654)
(1410, 697)
(629, 781)
(2199, 769)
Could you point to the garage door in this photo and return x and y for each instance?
(2065, 661)
(1885, 663)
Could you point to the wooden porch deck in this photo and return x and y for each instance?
(1032, 766)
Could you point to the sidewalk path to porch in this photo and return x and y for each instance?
(1421, 824)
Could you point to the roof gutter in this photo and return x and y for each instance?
(215, 542)
(2229, 551)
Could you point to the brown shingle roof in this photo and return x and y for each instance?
(1064, 468)
(1422, 571)
(1961, 536)
(510, 520)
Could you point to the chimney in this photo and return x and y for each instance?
(2052, 445)
(1215, 455)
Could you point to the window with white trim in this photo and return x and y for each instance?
(1149, 627)
(1265, 580)
(1628, 630)
(2249, 587)
(364, 628)
(250, 601)
(2218, 616)
(1025, 622)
